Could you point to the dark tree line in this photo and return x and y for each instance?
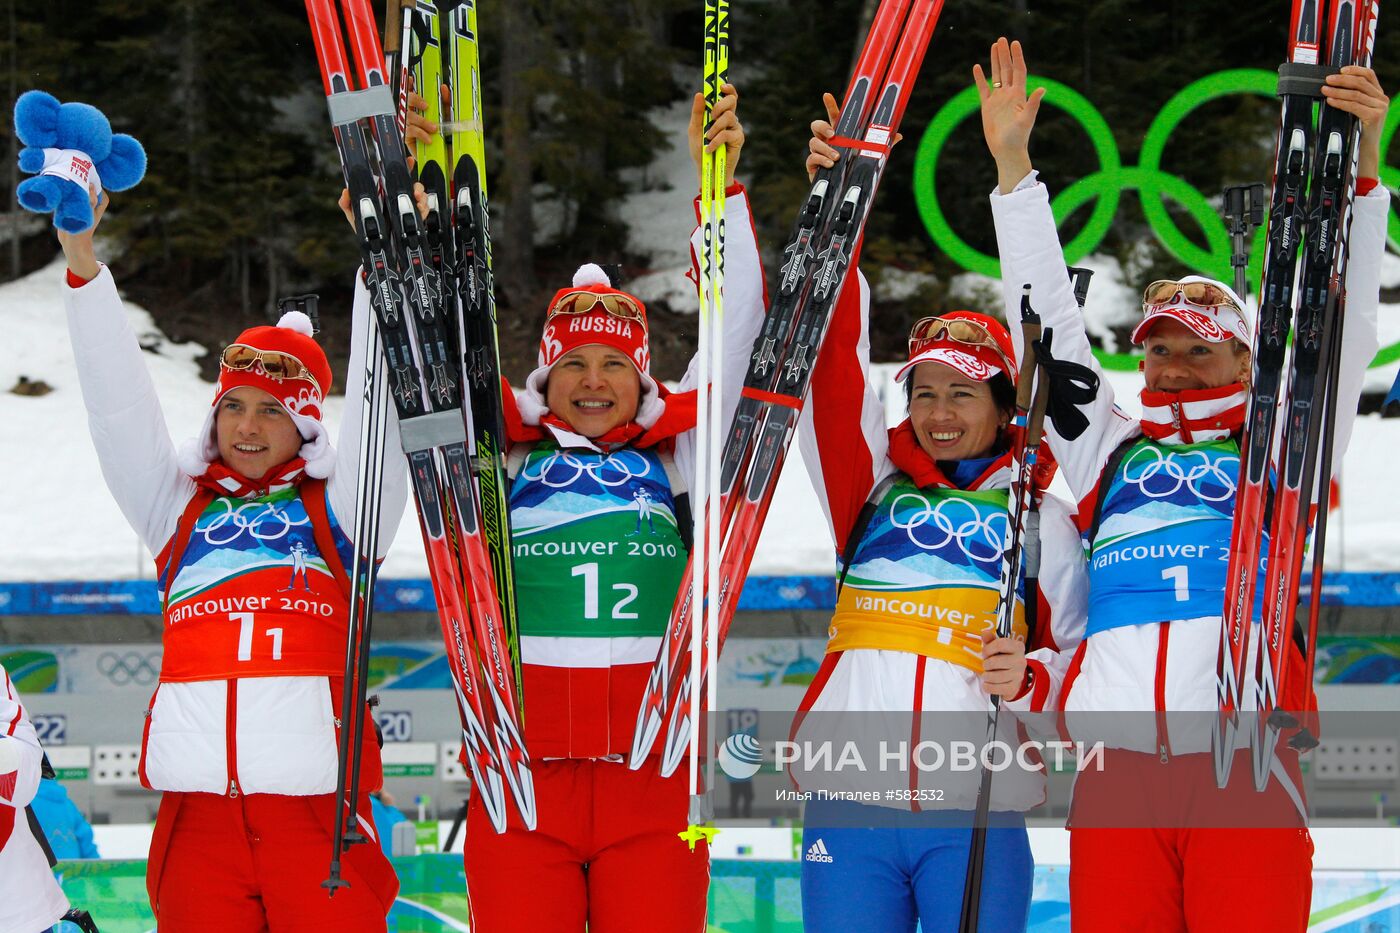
(237, 207)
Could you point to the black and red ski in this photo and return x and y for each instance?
(419, 343)
(816, 261)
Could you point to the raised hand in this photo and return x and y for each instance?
(821, 154)
(1358, 91)
(725, 130)
(420, 129)
(77, 247)
(1008, 114)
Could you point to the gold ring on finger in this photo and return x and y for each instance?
(996, 84)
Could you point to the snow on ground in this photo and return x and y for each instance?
(660, 216)
(59, 523)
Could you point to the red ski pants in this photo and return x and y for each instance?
(605, 854)
(1158, 849)
(255, 863)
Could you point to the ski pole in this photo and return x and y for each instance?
(373, 414)
(1032, 397)
(1244, 210)
(715, 433)
(1079, 278)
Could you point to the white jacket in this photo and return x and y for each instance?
(845, 445)
(282, 731)
(1123, 669)
(30, 898)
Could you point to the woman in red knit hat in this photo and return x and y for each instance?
(241, 733)
(599, 455)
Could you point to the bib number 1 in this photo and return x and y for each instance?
(246, 631)
(1177, 575)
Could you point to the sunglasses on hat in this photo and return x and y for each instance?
(619, 306)
(931, 330)
(278, 365)
(1205, 294)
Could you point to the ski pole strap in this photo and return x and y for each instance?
(846, 142)
(1070, 386)
(39, 836)
(82, 920)
(775, 398)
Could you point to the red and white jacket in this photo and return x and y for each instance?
(219, 732)
(582, 693)
(1154, 666)
(846, 447)
(30, 898)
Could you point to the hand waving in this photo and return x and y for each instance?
(1008, 114)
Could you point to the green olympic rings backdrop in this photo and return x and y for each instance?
(1105, 186)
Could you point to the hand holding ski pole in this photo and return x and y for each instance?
(725, 130)
(1008, 114)
(419, 128)
(1358, 91)
(1003, 665)
(821, 154)
(77, 247)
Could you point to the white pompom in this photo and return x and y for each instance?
(590, 273)
(296, 321)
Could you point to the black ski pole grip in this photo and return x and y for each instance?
(306, 304)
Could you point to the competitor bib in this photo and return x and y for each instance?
(1163, 541)
(252, 595)
(596, 543)
(926, 575)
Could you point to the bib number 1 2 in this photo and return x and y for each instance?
(589, 572)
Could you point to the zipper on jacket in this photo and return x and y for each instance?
(230, 737)
(1160, 692)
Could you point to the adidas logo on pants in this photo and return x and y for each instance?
(817, 852)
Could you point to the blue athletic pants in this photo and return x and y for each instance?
(876, 869)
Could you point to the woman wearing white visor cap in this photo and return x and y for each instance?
(918, 513)
(1156, 499)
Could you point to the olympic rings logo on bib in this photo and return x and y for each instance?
(561, 469)
(981, 538)
(264, 521)
(1161, 476)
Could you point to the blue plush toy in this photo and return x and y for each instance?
(70, 147)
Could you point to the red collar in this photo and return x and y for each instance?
(914, 461)
(224, 481)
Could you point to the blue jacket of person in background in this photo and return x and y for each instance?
(385, 817)
(68, 832)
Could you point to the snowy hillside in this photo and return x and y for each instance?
(58, 522)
